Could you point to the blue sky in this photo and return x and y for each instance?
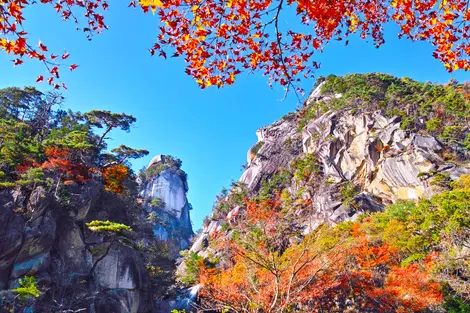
(211, 129)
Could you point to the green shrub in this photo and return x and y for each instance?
(348, 192)
(286, 197)
(157, 203)
(254, 150)
(28, 288)
(433, 124)
(453, 303)
(224, 227)
(453, 133)
(169, 163)
(107, 226)
(442, 180)
(309, 114)
(304, 168)
(466, 143)
(406, 123)
(276, 182)
(193, 263)
(7, 185)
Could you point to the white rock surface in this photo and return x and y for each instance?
(172, 223)
(168, 187)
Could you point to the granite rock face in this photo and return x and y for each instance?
(364, 149)
(279, 143)
(173, 208)
(170, 189)
(374, 153)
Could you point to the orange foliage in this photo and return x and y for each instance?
(263, 211)
(59, 159)
(412, 286)
(114, 177)
(369, 256)
(221, 39)
(352, 274)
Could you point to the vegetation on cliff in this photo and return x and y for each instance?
(69, 203)
(167, 163)
(44, 145)
(409, 258)
(439, 110)
(263, 255)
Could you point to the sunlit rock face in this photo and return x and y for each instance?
(173, 224)
(383, 160)
(272, 154)
(170, 189)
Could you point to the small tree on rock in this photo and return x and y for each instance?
(108, 121)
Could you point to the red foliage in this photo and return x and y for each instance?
(23, 168)
(352, 275)
(263, 211)
(14, 39)
(60, 160)
(221, 39)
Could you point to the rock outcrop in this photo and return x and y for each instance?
(78, 270)
(171, 210)
(361, 149)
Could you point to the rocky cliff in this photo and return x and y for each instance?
(79, 230)
(344, 153)
(367, 185)
(79, 270)
(163, 194)
(367, 149)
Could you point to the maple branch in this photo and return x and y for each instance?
(279, 44)
(30, 49)
(294, 273)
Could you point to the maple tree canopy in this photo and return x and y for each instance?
(220, 39)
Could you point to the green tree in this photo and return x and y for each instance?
(123, 153)
(16, 143)
(108, 121)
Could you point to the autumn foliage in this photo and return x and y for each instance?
(48, 147)
(60, 161)
(410, 258)
(219, 39)
(114, 177)
(331, 270)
